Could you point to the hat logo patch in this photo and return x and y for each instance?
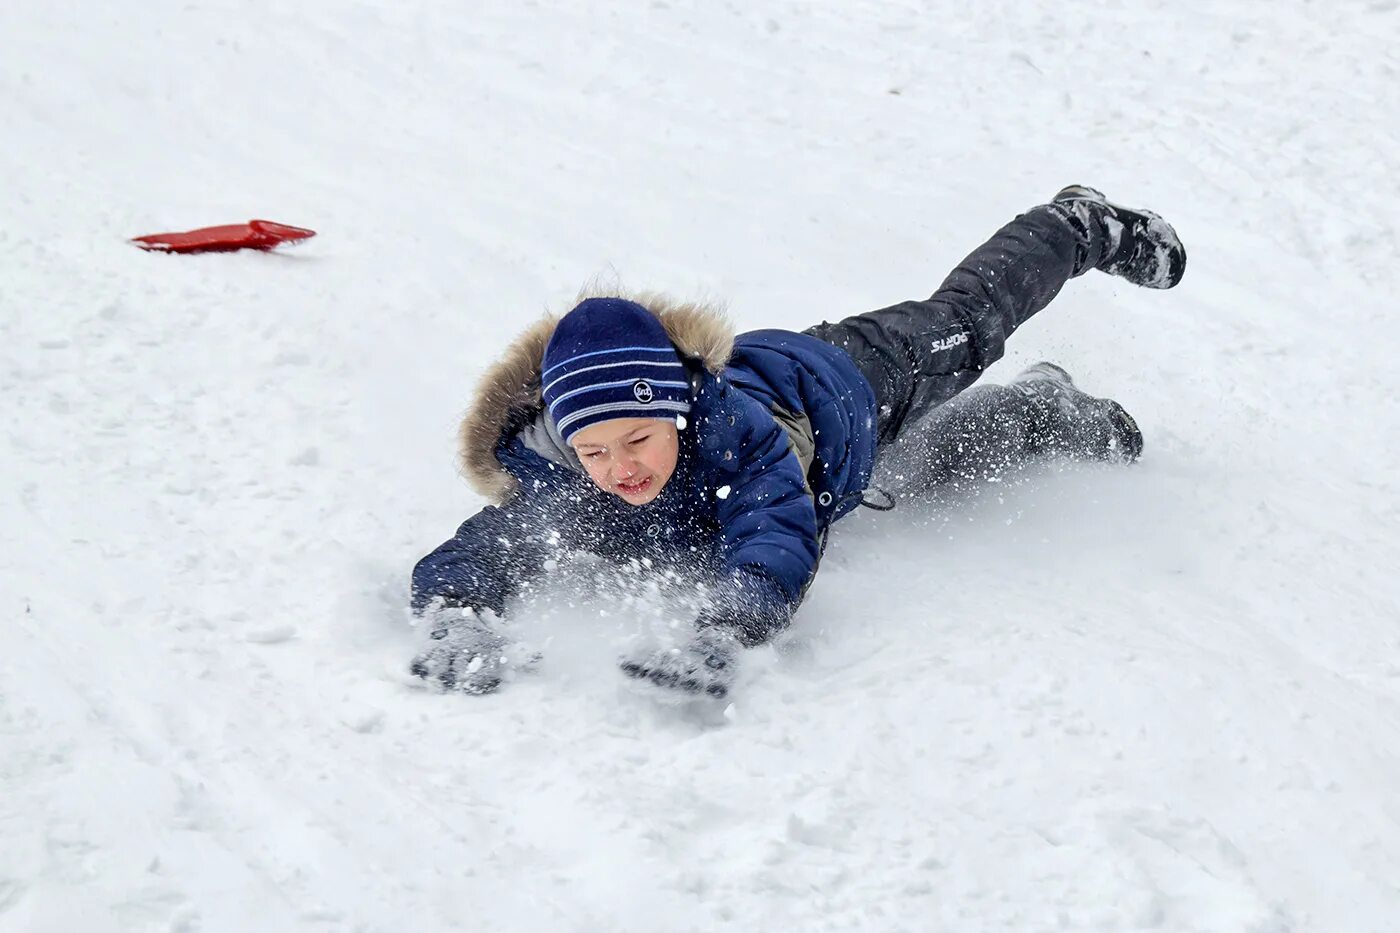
(643, 392)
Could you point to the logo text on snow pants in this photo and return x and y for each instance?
(948, 343)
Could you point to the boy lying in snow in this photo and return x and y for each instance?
(645, 428)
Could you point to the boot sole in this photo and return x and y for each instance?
(1129, 435)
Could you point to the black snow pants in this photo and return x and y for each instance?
(919, 355)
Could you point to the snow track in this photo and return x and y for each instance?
(1158, 698)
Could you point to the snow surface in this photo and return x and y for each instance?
(1161, 697)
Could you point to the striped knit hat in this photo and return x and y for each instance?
(611, 358)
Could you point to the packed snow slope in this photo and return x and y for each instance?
(1164, 697)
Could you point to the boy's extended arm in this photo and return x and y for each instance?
(769, 529)
(486, 561)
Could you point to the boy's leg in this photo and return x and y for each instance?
(918, 354)
(988, 431)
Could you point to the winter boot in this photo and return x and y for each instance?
(1139, 245)
(1075, 422)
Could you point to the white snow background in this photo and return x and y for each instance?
(1164, 697)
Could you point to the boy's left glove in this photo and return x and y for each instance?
(704, 666)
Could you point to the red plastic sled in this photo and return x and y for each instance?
(255, 234)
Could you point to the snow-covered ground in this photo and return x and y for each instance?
(1163, 697)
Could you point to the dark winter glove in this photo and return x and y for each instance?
(705, 666)
(750, 605)
(465, 651)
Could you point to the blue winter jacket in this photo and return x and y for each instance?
(780, 443)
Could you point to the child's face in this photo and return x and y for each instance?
(632, 458)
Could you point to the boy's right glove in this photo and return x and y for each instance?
(465, 652)
(704, 666)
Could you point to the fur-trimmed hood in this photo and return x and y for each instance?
(508, 397)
